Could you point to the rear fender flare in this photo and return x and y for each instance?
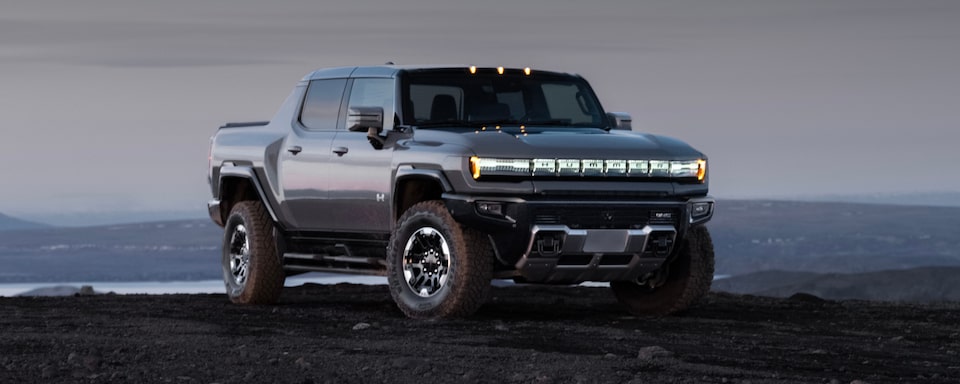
(247, 173)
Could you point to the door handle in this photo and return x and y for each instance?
(295, 149)
(340, 151)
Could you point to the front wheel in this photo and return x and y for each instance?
(679, 284)
(252, 271)
(435, 268)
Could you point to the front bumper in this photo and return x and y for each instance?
(572, 241)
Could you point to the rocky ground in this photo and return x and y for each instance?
(354, 333)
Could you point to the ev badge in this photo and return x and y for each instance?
(379, 197)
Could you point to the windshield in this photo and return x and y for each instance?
(448, 98)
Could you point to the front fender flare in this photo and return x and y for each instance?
(407, 172)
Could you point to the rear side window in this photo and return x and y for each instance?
(321, 105)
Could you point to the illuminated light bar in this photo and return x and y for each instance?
(659, 168)
(544, 167)
(679, 169)
(500, 70)
(615, 167)
(473, 69)
(526, 71)
(592, 168)
(568, 167)
(638, 168)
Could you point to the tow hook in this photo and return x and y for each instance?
(548, 245)
(662, 244)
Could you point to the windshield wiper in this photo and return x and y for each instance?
(495, 122)
(490, 123)
(469, 124)
(560, 122)
(440, 124)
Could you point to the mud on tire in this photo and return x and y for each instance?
(688, 279)
(252, 271)
(435, 267)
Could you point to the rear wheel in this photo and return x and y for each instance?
(437, 269)
(677, 285)
(252, 271)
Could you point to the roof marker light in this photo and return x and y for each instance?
(526, 71)
(500, 70)
(473, 69)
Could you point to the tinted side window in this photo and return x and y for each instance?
(321, 105)
(375, 93)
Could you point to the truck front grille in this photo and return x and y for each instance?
(593, 217)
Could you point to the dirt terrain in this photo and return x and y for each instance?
(354, 333)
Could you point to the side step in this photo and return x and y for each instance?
(304, 262)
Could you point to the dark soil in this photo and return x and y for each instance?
(353, 333)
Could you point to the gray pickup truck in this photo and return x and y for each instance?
(444, 178)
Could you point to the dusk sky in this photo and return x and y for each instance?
(108, 105)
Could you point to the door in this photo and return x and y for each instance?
(305, 158)
(360, 194)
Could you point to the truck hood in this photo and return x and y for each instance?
(576, 143)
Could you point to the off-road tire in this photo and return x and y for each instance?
(264, 270)
(688, 279)
(470, 265)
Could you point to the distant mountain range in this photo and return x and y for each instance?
(157, 251)
(96, 218)
(938, 199)
(757, 235)
(8, 223)
(808, 239)
(926, 284)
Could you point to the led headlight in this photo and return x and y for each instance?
(684, 168)
(499, 167)
(689, 169)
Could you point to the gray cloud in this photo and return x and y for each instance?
(117, 98)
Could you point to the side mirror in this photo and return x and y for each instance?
(369, 119)
(621, 120)
(365, 119)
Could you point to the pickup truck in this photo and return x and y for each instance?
(444, 178)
